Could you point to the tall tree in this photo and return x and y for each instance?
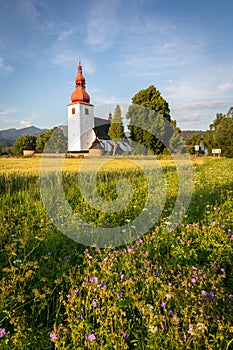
(56, 140)
(22, 141)
(152, 99)
(116, 129)
(220, 134)
(148, 115)
(223, 137)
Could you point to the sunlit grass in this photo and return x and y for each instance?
(169, 289)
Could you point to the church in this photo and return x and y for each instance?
(87, 133)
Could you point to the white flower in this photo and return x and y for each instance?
(153, 329)
(201, 327)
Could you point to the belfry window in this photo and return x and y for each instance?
(73, 111)
(86, 111)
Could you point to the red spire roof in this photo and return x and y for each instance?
(80, 94)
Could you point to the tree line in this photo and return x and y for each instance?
(219, 135)
(152, 130)
(57, 143)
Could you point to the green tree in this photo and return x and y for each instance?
(152, 99)
(220, 134)
(194, 140)
(223, 137)
(116, 129)
(150, 122)
(8, 151)
(56, 140)
(209, 140)
(22, 141)
(217, 121)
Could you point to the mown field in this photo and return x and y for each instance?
(168, 289)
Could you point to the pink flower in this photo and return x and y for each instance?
(94, 279)
(53, 336)
(90, 337)
(2, 332)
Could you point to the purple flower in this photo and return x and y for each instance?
(211, 295)
(130, 249)
(157, 274)
(120, 294)
(122, 276)
(140, 241)
(2, 332)
(170, 312)
(95, 304)
(53, 336)
(90, 337)
(125, 335)
(190, 326)
(78, 292)
(162, 305)
(193, 280)
(80, 318)
(94, 279)
(229, 296)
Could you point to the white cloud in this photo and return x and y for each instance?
(6, 68)
(226, 86)
(7, 110)
(69, 59)
(102, 25)
(25, 123)
(64, 35)
(203, 105)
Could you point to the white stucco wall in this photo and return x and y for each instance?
(80, 125)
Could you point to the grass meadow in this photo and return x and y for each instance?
(168, 289)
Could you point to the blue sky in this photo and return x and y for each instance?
(184, 48)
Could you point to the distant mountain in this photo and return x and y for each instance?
(8, 136)
(187, 134)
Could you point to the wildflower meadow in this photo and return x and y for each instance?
(168, 289)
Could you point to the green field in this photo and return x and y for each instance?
(168, 289)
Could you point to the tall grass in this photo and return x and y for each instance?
(163, 291)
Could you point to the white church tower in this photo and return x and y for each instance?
(80, 117)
